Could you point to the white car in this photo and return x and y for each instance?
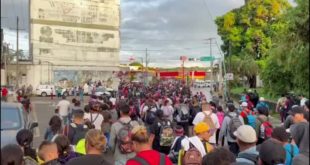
(46, 90)
(102, 91)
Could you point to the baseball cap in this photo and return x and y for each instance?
(272, 152)
(246, 133)
(201, 127)
(244, 104)
(261, 99)
(179, 131)
(296, 109)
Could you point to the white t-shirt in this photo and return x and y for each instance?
(168, 111)
(64, 107)
(199, 118)
(303, 101)
(97, 119)
(113, 100)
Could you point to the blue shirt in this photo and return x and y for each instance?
(289, 156)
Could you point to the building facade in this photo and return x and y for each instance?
(73, 40)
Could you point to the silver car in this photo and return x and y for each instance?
(13, 119)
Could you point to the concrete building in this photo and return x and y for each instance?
(73, 40)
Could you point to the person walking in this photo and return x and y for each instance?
(120, 142)
(280, 135)
(52, 93)
(210, 118)
(65, 152)
(143, 149)
(232, 121)
(81, 93)
(95, 143)
(4, 94)
(300, 135)
(246, 140)
(55, 128)
(94, 118)
(64, 108)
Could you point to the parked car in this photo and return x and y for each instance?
(46, 90)
(202, 84)
(13, 119)
(102, 91)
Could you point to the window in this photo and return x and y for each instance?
(10, 119)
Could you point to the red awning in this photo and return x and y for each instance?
(168, 74)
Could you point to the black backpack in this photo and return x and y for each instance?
(150, 116)
(78, 132)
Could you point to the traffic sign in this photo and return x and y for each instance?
(229, 76)
(207, 58)
(183, 58)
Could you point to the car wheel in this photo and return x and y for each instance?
(43, 94)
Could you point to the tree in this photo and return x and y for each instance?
(287, 68)
(247, 31)
(136, 64)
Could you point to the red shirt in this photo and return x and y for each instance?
(151, 156)
(245, 113)
(4, 92)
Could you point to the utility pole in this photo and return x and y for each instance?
(17, 54)
(212, 76)
(146, 67)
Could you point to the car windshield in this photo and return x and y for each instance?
(10, 119)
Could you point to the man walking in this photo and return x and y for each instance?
(64, 106)
(4, 94)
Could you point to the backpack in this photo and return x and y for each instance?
(90, 124)
(78, 132)
(268, 129)
(234, 124)
(192, 156)
(150, 116)
(251, 157)
(209, 121)
(251, 120)
(183, 115)
(193, 112)
(166, 134)
(144, 162)
(124, 138)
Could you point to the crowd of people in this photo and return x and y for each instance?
(166, 123)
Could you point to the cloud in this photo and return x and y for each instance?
(177, 27)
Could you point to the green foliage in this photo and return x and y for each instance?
(249, 29)
(136, 64)
(287, 68)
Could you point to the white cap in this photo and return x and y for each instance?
(244, 104)
(261, 99)
(246, 133)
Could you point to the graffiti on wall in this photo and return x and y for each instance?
(69, 78)
(101, 12)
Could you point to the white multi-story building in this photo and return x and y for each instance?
(72, 40)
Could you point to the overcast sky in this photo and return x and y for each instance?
(167, 28)
(177, 27)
